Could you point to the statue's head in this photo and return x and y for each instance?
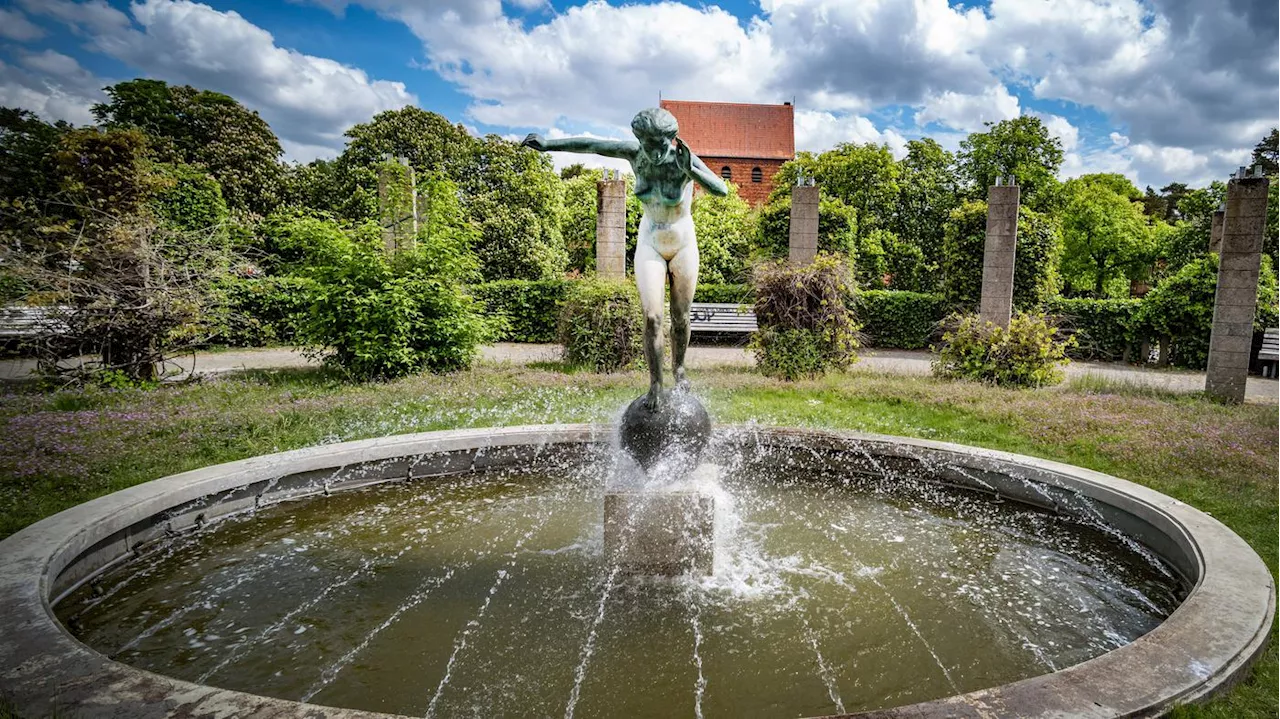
(655, 128)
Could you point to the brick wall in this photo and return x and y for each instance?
(740, 169)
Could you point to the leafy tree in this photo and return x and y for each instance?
(1021, 147)
(187, 198)
(105, 172)
(516, 199)
(429, 141)
(1105, 232)
(319, 185)
(1266, 153)
(27, 146)
(837, 228)
(725, 228)
(905, 264)
(578, 221)
(864, 177)
(1035, 271)
(927, 194)
(1172, 195)
(206, 129)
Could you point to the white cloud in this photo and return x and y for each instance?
(51, 85)
(15, 26)
(92, 18)
(309, 101)
(969, 112)
(817, 131)
(1061, 128)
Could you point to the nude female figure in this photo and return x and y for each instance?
(665, 170)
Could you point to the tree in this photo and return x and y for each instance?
(927, 194)
(429, 141)
(1106, 234)
(864, 177)
(27, 145)
(1267, 152)
(725, 228)
(578, 221)
(206, 129)
(1021, 147)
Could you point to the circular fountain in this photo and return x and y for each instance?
(471, 572)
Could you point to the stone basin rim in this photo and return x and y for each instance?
(1205, 645)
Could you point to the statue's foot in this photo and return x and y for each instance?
(682, 381)
(654, 399)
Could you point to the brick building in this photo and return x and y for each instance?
(743, 143)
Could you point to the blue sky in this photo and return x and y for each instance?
(1161, 90)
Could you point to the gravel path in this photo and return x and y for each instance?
(889, 361)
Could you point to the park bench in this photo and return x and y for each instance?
(1269, 353)
(21, 322)
(721, 317)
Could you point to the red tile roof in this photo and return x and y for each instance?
(730, 129)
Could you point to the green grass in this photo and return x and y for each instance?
(60, 449)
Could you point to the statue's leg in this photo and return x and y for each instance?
(651, 277)
(684, 281)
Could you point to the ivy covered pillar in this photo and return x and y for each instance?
(397, 204)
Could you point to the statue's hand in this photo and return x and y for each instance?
(684, 156)
(535, 141)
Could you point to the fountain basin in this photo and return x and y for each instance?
(1208, 641)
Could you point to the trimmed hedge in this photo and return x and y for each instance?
(531, 307)
(601, 325)
(898, 319)
(264, 310)
(725, 294)
(1104, 329)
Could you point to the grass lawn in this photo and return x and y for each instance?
(58, 450)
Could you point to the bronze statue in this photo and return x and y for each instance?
(665, 169)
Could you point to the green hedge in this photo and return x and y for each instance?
(725, 294)
(531, 307)
(264, 310)
(898, 319)
(1104, 329)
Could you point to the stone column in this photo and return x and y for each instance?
(1236, 299)
(803, 239)
(611, 228)
(998, 254)
(1215, 231)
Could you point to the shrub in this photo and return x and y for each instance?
(1103, 329)
(530, 309)
(1027, 354)
(188, 198)
(903, 320)
(806, 329)
(1036, 279)
(601, 325)
(725, 294)
(387, 315)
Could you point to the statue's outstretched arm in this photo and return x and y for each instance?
(623, 149)
(698, 171)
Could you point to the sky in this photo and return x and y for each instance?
(1159, 90)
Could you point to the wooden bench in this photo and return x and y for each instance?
(20, 322)
(1269, 353)
(721, 317)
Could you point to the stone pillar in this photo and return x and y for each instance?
(1215, 231)
(397, 204)
(611, 228)
(998, 254)
(803, 239)
(1236, 299)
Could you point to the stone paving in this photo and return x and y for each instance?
(1259, 390)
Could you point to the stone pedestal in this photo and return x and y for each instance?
(1236, 299)
(998, 255)
(803, 239)
(611, 229)
(663, 533)
(1215, 231)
